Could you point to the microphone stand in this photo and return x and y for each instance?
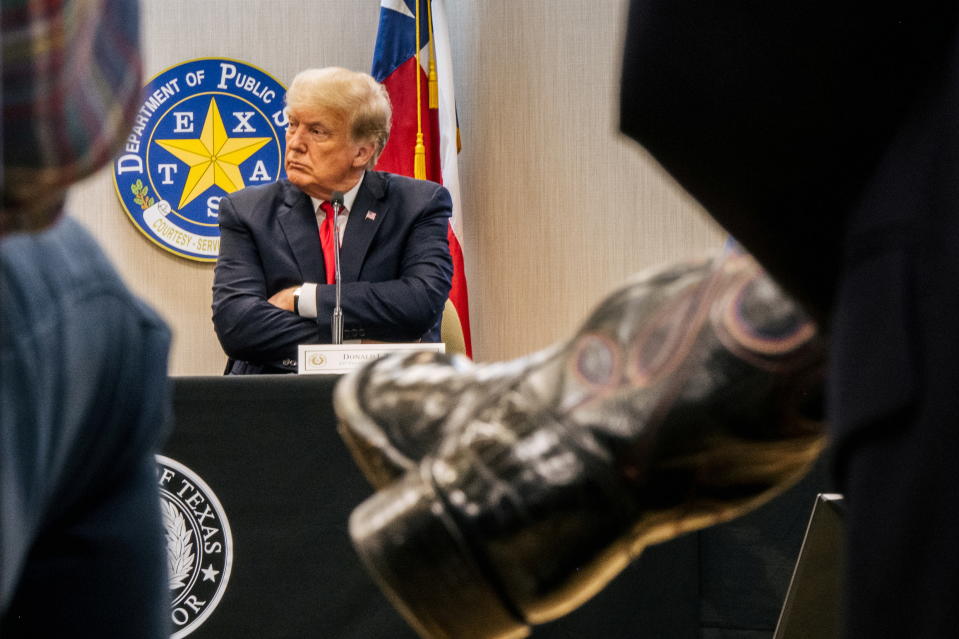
(337, 200)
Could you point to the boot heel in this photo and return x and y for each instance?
(414, 550)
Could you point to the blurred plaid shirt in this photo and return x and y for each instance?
(71, 83)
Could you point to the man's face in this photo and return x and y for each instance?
(321, 157)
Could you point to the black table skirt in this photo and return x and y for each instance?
(267, 447)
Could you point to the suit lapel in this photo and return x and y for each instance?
(367, 214)
(298, 222)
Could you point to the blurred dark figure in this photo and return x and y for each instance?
(83, 391)
(824, 137)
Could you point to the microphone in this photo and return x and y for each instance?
(336, 199)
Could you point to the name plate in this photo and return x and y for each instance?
(336, 359)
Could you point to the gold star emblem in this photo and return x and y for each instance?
(214, 158)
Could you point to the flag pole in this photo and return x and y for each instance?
(419, 151)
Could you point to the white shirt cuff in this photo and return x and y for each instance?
(307, 304)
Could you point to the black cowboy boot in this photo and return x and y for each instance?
(514, 492)
(430, 395)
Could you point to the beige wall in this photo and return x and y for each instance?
(558, 208)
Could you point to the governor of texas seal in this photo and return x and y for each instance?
(199, 545)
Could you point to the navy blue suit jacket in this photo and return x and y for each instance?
(395, 264)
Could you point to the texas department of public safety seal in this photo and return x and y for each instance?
(205, 128)
(199, 545)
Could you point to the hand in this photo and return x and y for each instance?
(283, 299)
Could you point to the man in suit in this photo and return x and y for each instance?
(273, 288)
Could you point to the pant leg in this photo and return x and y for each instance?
(902, 562)
(102, 572)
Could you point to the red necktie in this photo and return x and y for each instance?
(327, 233)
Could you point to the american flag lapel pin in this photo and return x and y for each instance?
(371, 215)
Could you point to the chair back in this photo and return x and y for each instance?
(451, 331)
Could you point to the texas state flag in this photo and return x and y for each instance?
(424, 112)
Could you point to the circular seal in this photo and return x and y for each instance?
(205, 128)
(199, 545)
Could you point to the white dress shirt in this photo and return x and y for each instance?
(307, 303)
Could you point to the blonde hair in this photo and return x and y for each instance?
(361, 100)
